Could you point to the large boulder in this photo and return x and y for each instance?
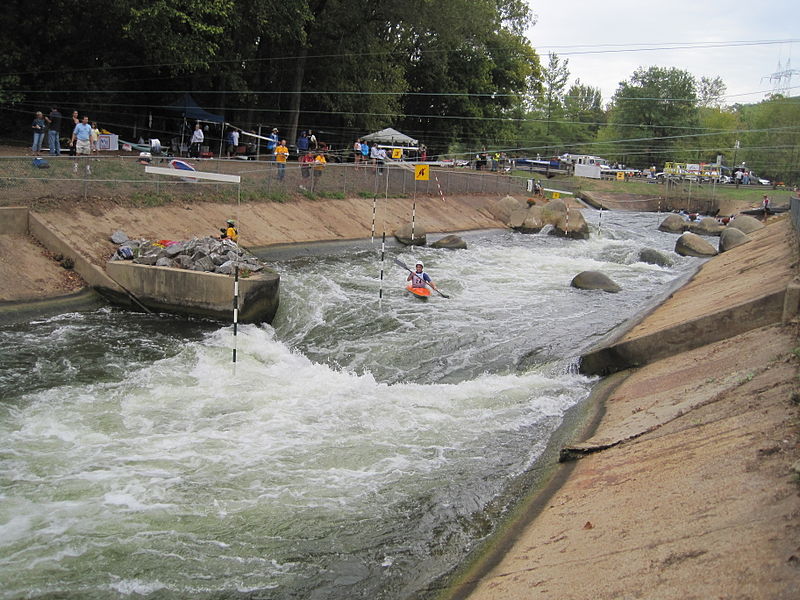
(673, 224)
(553, 210)
(730, 238)
(451, 242)
(530, 221)
(746, 224)
(654, 257)
(403, 235)
(594, 280)
(571, 225)
(706, 226)
(503, 208)
(691, 244)
(517, 218)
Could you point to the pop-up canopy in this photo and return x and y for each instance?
(390, 137)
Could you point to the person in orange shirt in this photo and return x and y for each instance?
(281, 155)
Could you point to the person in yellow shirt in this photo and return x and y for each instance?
(230, 231)
(281, 155)
(319, 165)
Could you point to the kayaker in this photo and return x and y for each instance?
(420, 278)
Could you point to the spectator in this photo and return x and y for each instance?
(305, 164)
(272, 144)
(95, 137)
(197, 141)
(281, 154)
(364, 152)
(302, 143)
(233, 142)
(319, 165)
(312, 141)
(54, 135)
(81, 139)
(75, 121)
(39, 125)
(357, 151)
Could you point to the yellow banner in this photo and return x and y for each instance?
(621, 175)
(397, 153)
(422, 172)
(556, 195)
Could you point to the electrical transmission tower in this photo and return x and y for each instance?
(781, 79)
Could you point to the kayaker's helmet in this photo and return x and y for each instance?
(419, 264)
(231, 222)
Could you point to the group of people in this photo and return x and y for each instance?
(84, 137)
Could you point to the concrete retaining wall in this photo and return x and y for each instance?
(685, 336)
(197, 293)
(14, 219)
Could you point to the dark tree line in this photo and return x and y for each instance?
(446, 71)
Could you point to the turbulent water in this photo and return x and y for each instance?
(358, 450)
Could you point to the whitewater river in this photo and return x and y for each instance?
(359, 449)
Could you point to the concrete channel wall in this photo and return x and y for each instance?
(157, 289)
(195, 293)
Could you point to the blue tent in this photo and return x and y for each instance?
(191, 110)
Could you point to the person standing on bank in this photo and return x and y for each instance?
(196, 141)
(281, 154)
(272, 144)
(54, 134)
(39, 126)
(81, 139)
(75, 121)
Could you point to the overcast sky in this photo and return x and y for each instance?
(602, 28)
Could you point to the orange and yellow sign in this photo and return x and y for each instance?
(422, 172)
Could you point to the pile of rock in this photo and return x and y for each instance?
(206, 254)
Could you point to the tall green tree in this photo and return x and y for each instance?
(650, 111)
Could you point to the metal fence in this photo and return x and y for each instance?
(21, 181)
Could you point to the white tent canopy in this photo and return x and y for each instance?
(390, 137)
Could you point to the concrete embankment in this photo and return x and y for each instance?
(687, 487)
(79, 231)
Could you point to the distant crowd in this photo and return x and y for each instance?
(84, 137)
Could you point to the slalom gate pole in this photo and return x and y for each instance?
(374, 204)
(235, 309)
(600, 220)
(413, 218)
(438, 185)
(414, 210)
(383, 256)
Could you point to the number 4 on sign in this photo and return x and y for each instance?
(421, 172)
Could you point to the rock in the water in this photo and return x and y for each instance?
(746, 224)
(530, 221)
(594, 280)
(403, 235)
(571, 225)
(553, 211)
(706, 226)
(503, 208)
(654, 257)
(732, 237)
(673, 224)
(691, 244)
(451, 242)
(119, 237)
